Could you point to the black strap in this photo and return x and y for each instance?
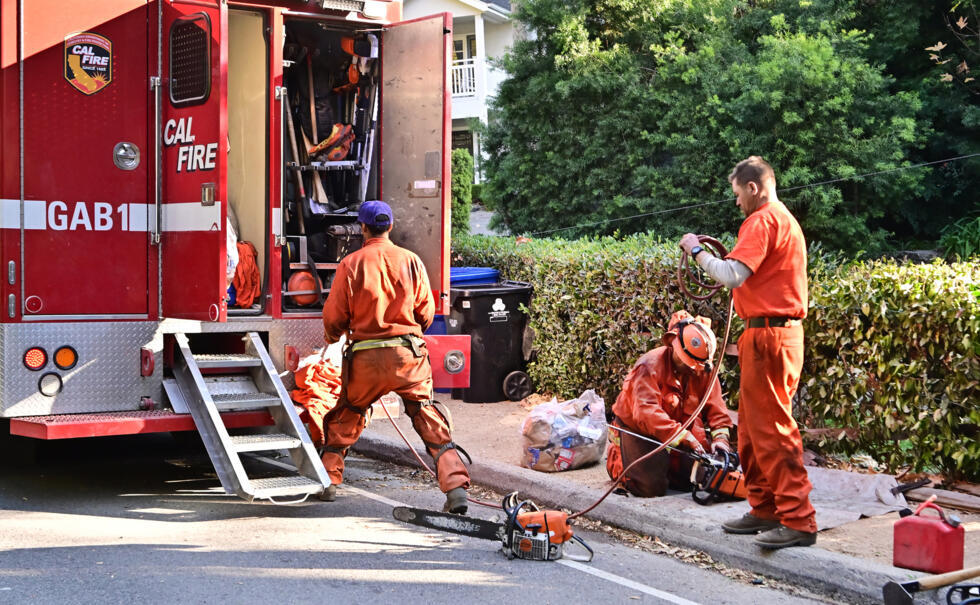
(357, 410)
(771, 322)
(317, 284)
(445, 448)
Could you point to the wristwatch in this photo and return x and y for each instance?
(695, 251)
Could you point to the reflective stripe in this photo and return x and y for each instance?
(379, 343)
(189, 216)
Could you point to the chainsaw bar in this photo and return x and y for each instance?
(448, 522)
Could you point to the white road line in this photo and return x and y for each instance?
(666, 596)
(376, 497)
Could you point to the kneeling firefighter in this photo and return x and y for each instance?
(660, 393)
(381, 299)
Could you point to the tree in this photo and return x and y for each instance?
(618, 108)
(461, 191)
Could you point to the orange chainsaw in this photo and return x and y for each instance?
(528, 532)
(714, 477)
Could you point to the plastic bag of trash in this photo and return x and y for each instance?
(559, 436)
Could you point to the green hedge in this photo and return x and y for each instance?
(891, 351)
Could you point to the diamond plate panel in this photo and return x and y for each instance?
(107, 375)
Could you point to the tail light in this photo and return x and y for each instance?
(65, 358)
(35, 358)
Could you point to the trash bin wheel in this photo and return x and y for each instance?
(517, 385)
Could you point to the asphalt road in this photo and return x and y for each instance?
(143, 519)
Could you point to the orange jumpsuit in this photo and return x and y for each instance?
(655, 401)
(379, 292)
(771, 244)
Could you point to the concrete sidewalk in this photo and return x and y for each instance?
(490, 432)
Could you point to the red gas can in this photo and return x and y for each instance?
(928, 543)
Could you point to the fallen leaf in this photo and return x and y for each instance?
(961, 22)
(938, 47)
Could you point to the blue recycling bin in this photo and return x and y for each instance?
(472, 276)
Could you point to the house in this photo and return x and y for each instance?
(481, 31)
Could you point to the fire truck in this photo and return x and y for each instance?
(143, 143)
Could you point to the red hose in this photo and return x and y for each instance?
(426, 466)
(684, 266)
(683, 427)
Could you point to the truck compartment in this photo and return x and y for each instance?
(248, 148)
(330, 149)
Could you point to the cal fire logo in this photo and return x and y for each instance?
(190, 157)
(88, 62)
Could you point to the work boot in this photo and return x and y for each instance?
(329, 494)
(456, 501)
(749, 524)
(782, 536)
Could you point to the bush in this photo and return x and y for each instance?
(478, 193)
(892, 350)
(462, 191)
(962, 238)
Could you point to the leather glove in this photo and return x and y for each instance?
(691, 442)
(721, 445)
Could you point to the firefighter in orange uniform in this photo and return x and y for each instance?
(767, 272)
(381, 299)
(660, 393)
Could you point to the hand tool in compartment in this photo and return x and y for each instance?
(366, 149)
(319, 194)
(299, 176)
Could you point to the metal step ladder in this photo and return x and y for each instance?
(206, 396)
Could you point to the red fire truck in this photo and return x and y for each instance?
(143, 141)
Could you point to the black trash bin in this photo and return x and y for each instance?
(491, 315)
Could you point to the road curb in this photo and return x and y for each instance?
(821, 570)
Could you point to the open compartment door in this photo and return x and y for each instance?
(415, 131)
(191, 218)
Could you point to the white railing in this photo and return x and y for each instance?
(464, 78)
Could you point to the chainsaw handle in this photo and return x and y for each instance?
(580, 558)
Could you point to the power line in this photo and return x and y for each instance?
(786, 190)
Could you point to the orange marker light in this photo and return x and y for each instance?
(65, 358)
(35, 358)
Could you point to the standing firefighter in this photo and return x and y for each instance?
(661, 391)
(767, 272)
(381, 299)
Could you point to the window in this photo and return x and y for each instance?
(190, 59)
(464, 48)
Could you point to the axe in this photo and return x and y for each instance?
(900, 593)
(319, 194)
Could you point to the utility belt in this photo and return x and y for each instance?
(410, 341)
(772, 322)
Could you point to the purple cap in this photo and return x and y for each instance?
(375, 213)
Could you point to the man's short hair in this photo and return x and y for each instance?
(752, 169)
(378, 231)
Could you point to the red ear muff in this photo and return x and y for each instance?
(695, 341)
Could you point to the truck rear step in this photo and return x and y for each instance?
(262, 389)
(136, 422)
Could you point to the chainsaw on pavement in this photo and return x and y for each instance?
(528, 532)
